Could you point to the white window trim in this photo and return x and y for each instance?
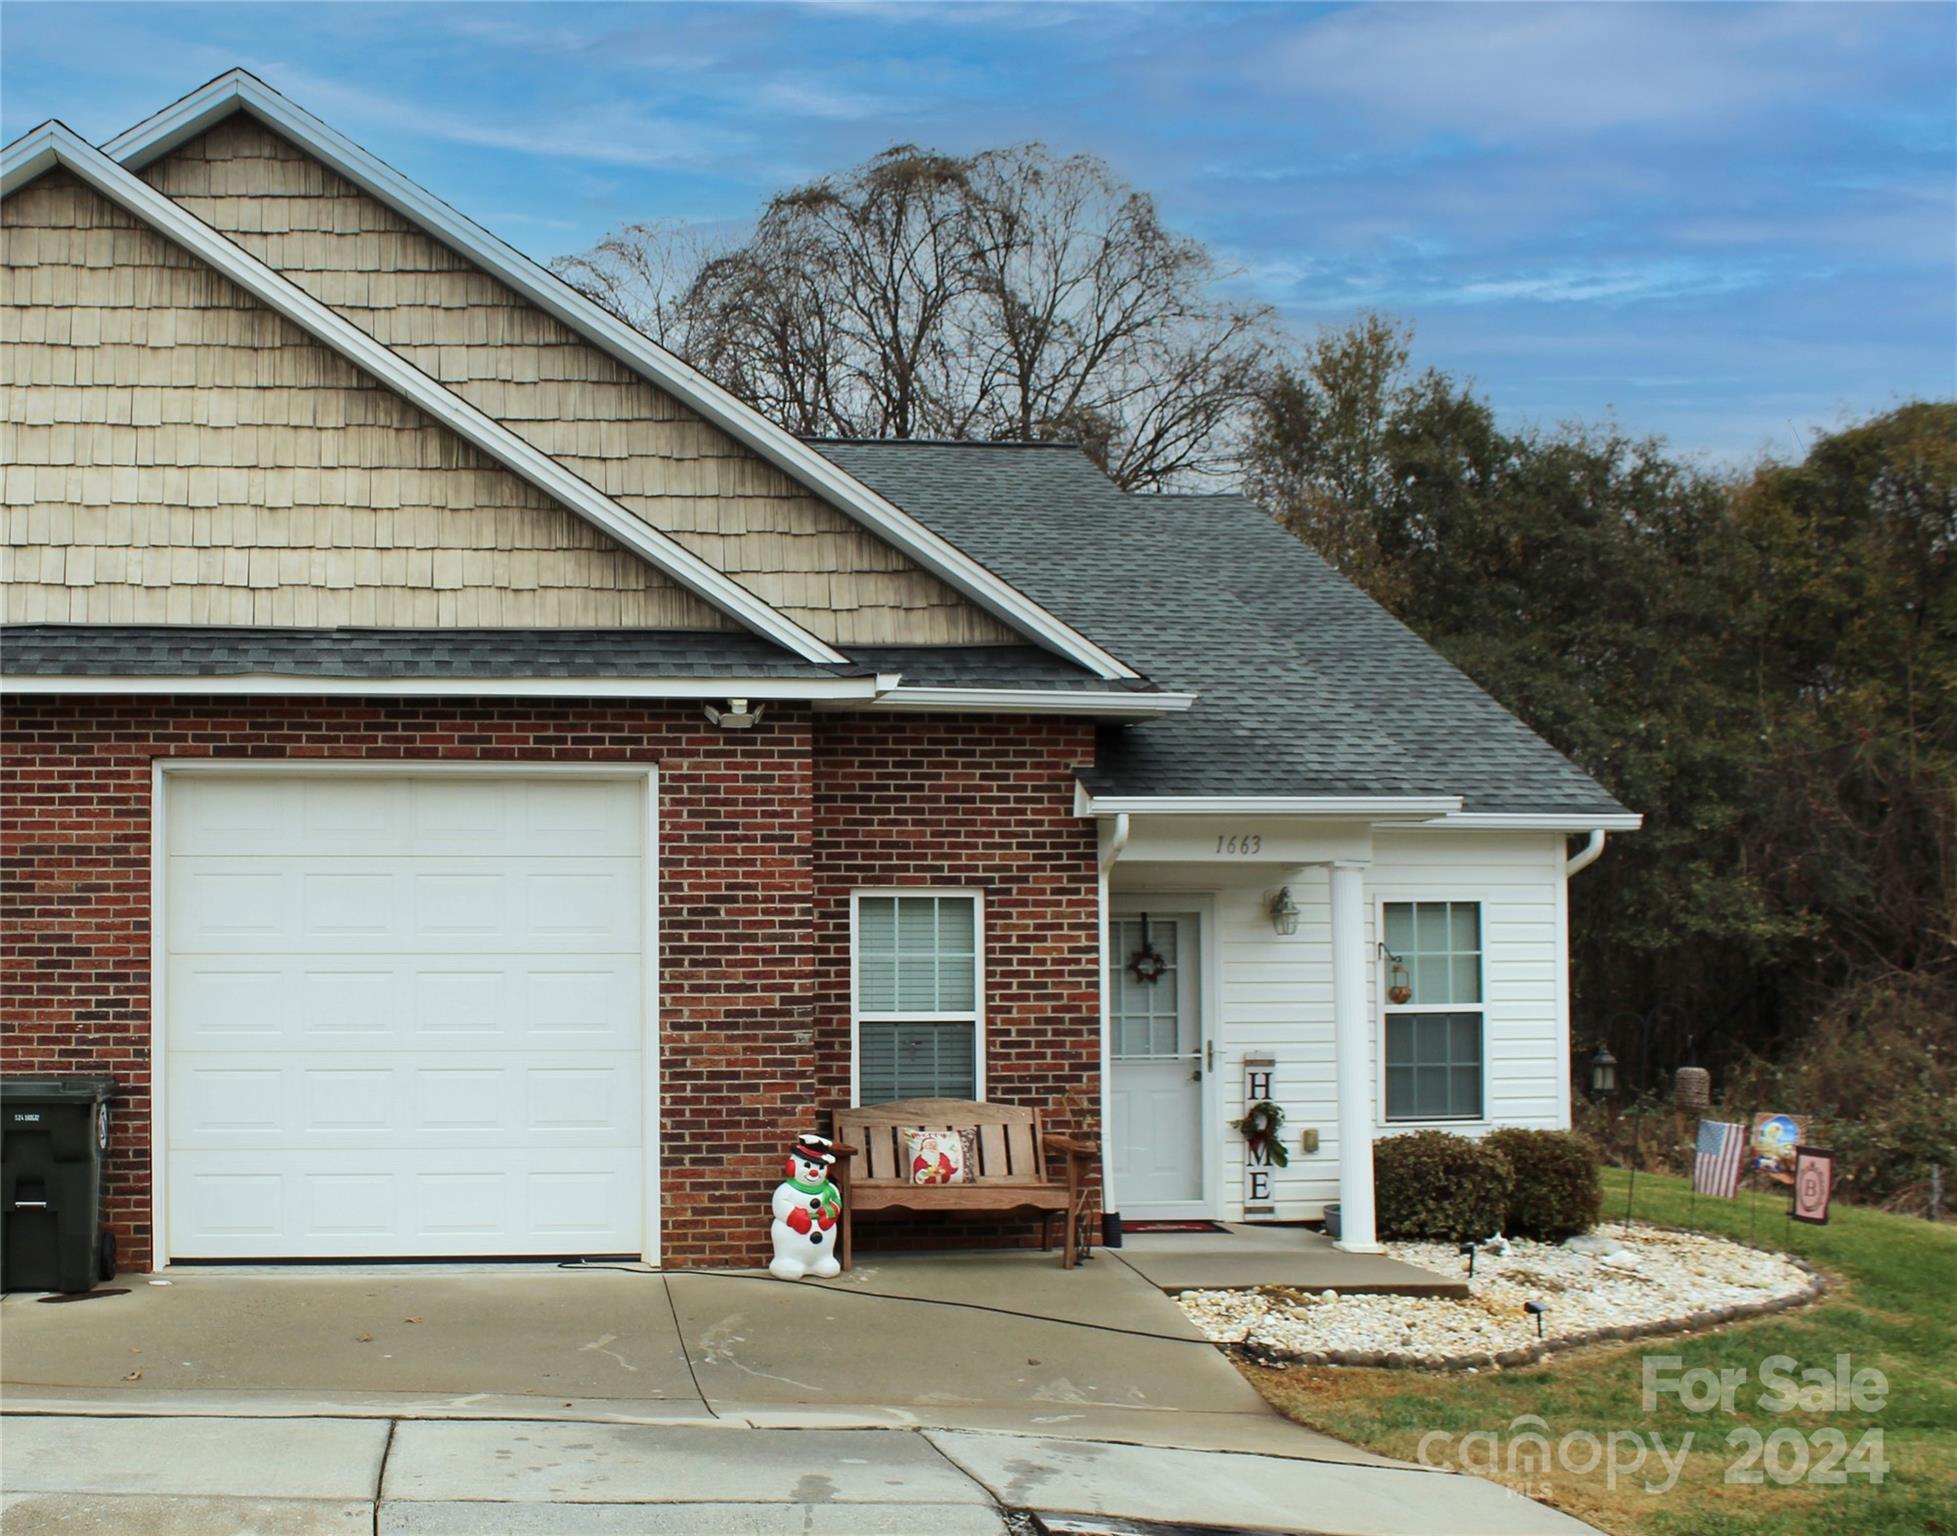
(975, 1017)
(1400, 1125)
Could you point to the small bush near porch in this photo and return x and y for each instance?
(1448, 1188)
(1558, 1182)
(1891, 1307)
(1429, 1184)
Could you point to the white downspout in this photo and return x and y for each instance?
(1591, 851)
(1582, 859)
(1117, 842)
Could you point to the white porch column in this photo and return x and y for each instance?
(1351, 1037)
(1113, 839)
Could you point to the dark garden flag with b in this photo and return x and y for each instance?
(1814, 1184)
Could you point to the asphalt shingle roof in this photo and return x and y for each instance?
(1308, 686)
(170, 650)
(58, 650)
(986, 666)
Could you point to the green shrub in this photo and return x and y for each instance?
(1558, 1189)
(1876, 1077)
(1433, 1185)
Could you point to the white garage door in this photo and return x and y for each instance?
(404, 1016)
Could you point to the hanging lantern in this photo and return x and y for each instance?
(1603, 1074)
(1399, 982)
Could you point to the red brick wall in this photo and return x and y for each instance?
(734, 908)
(762, 834)
(983, 803)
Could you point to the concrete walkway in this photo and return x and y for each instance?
(1243, 1257)
(333, 1477)
(917, 1393)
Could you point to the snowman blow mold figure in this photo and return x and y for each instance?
(806, 1208)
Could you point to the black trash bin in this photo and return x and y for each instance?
(54, 1134)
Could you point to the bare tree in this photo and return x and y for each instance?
(1102, 324)
(643, 273)
(1010, 295)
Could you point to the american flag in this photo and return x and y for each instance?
(1716, 1169)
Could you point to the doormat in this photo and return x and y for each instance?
(1173, 1226)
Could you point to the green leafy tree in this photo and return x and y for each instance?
(1765, 666)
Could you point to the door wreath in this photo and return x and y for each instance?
(1146, 964)
(1262, 1126)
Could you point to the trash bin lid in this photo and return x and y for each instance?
(59, 1090)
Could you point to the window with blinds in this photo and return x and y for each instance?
(919, 1018)
(1434, 1041)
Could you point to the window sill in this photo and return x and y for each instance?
(1434, 1124)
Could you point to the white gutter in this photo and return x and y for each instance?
(260, 683)
(1036, 701)
(55, 143)
(211, 103)
(1525, 821)
(1591, 851)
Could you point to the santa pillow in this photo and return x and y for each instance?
(941, 1157)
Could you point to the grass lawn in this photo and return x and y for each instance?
(1892, 1305)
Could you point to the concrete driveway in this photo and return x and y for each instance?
(1003, 1340)
(526, 1398)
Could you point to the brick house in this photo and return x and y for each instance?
(480, 787)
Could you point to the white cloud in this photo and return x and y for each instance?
(1584, 284)
(603, 131)
(1501, 72)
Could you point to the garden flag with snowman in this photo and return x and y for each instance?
(806, 1207)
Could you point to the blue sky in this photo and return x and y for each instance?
(1729, 224)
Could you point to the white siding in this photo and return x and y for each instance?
(1275, 993)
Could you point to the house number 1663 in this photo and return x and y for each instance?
(1240, 843)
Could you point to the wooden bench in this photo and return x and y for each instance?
(873, 1172)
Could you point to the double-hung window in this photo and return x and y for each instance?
(1435, 1040)
(918, 992)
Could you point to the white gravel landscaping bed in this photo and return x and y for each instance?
(1607, 1284)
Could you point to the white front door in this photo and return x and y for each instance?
(1157, 1045)
(404, 1016)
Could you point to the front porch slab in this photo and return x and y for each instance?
(1248, 1257)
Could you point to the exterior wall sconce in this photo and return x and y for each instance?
(1603, 1074)
(739, 715)
(1284, 911)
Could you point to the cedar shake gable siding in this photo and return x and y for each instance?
(177, 453)
(566, 397)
